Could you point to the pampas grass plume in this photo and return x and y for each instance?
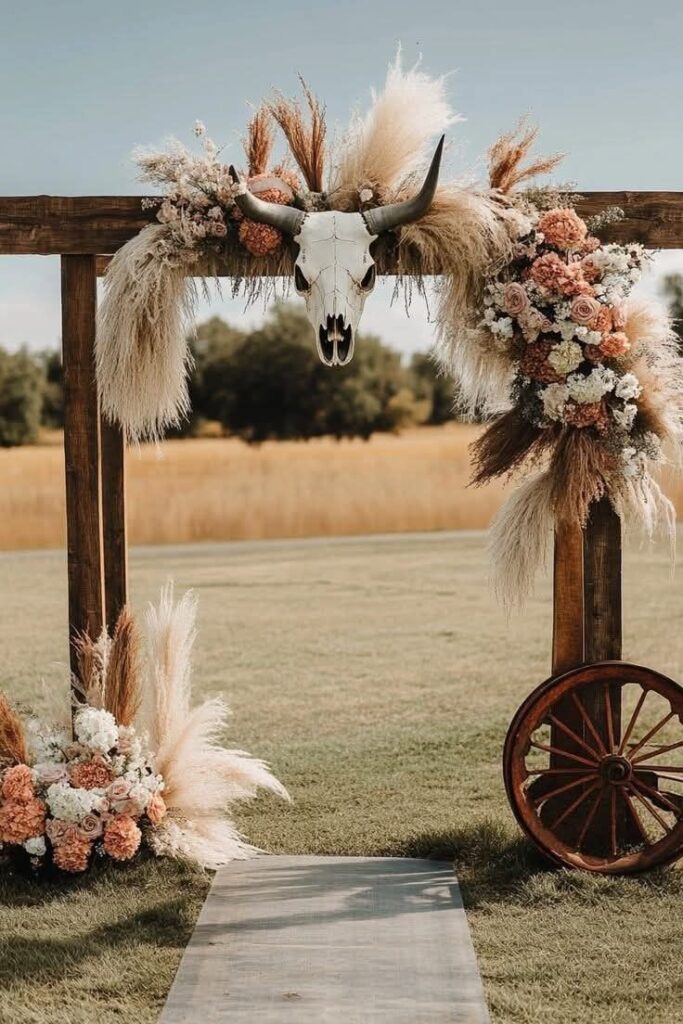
(12, 737)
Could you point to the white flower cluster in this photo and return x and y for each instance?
(96, 728)
(70, 804)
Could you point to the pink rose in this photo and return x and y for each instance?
(583, 309)
(118, 790)
(49, 774)
(90, 827)
(515, 299)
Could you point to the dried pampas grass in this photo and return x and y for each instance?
(509, 441)
(506, 156)
(108, 671)
(580, 470)
(202, 778)
(258, 144)
(142, 356)
(393, 141)
(12, 737)
(519, 539)
(306, 141)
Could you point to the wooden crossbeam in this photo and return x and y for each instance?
(45, 225)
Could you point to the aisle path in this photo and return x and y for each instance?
(330, 940)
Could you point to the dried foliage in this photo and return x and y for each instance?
(579, 470)
(122, 687)
(202, 777)
(306, 140)
(258, 144)
(12, 738)
(392, 144)
(507, 155)
(519, 539)
(507, 443)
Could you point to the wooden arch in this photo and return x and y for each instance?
(85, 231)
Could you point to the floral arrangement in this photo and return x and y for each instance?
(586, 381)
(197, 229)
(98, 791)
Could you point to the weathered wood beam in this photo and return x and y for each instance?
(44, 225)
(114, 521)
(82, 451)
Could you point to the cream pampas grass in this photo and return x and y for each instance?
(394, 140)
(202, 778)
(13, 747)
(520, 538)
(142, 355)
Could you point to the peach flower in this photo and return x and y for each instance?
(56, 830)
(563, 228)
(515, 299)
(21, 820)
(72, 854)
(586, 414)
(602, 321)
(552, 273)
(119, 790)
(90, 827)
(17, 783)
(90, 775)
(614, 345)
(583, 309)
(156, 809)
(591, 271)
(121, 838)
(619, 317)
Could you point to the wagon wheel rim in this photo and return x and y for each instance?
(607, 772)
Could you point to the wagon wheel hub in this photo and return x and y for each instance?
(615, 770)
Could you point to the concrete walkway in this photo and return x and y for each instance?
(330, 940)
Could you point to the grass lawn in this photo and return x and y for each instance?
(379, 679)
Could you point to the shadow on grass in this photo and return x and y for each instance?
(172, 890)
(496, 864)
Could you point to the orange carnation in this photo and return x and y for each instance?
(563, 228)
(259, 239)
(21, 820)
(614, 345)
(17, 783)
(602, 321)
(90, 775)
(72, 854)
(121, 837)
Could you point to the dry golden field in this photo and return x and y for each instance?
(222, 489)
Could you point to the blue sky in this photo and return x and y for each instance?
(84, 82)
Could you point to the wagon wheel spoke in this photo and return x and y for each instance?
(634, 718)
(613, 821)
(648, 735)
(572, 735)
(655, 796)
(657, 752)
(587, 719)
(634, 814)
(650, 809)
(556, 771)
(610, 720)
(575, 803)
(563, 753)
(563, 789)
(587, 823)
(676, 769)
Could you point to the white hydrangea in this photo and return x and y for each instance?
(503, 327)
(625, 417)
(96, 728)
(44, 744)
(592, 338)
(36, 847)
(628, 387)
(591, 388)
(565, 357)
(554, 398)
(71, 804)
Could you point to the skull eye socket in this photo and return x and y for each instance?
(369, 279)
(300, 282)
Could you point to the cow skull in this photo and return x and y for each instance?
(335, 270)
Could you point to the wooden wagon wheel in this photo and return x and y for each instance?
(607, 796)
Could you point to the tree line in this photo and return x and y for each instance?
(260, 384)
(268, 383)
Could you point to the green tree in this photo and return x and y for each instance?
(435, 387)
(21, 398)
(52, 414)
(672, 287)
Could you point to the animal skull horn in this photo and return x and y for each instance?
(384, 218)
(335, 268)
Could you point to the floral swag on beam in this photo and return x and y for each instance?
(534, 318)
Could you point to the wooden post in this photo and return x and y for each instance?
(114, 521)
(82, 450)
(567, 598)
